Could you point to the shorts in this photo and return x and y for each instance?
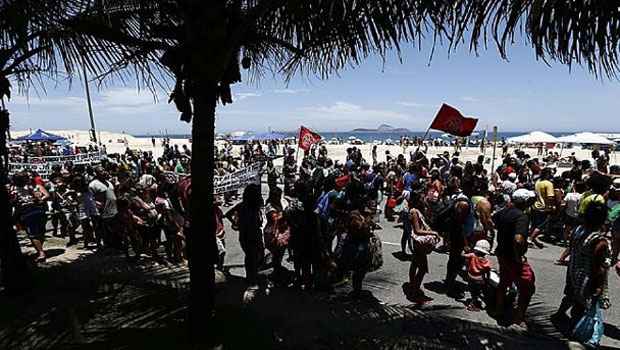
(34, 220)
(519, 274)
(540, 219)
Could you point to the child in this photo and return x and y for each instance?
(478, 270)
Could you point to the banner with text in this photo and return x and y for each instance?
(238, 179)
(43, 165)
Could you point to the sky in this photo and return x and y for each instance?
(521, 94)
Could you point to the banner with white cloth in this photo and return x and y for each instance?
(237, 179)
(43, 165)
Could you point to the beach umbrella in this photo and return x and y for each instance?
(245, 138)
(39, 136)
(586, 138)
(534, 137)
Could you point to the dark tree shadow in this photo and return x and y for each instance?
(106, 302)
(50, 253)
(612, 331)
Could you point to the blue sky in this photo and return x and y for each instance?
(521, 94)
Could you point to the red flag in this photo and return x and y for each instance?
(307, 138)
(450, 120)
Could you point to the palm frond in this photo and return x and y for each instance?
(579, 32)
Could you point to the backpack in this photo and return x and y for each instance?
(443, 214)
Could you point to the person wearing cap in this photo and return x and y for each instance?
(478, 269)
(512, 226)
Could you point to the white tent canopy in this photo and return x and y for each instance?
(586, 138)
(534, 137)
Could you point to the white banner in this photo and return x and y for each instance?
(43, 165)
(238, 179)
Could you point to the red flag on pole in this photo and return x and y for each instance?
(450, 120)
(307, 138)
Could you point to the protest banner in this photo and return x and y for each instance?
(43, 165)
(238, 179)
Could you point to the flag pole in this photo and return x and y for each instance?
(494, 149)
(421, 142)
(298, 141)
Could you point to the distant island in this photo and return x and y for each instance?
(384, 128)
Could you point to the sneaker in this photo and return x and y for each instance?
(422, 298)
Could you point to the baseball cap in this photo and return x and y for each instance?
(522, 195)
(512, 176)
(615, 185)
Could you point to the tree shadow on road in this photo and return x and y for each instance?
(106, 302)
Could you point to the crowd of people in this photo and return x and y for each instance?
(129, 202)
(323, 216)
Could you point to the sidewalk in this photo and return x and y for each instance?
(92, 301)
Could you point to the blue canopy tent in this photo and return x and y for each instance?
(40, 136)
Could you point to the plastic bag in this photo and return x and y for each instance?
(590, 328)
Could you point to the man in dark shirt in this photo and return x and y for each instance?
(512, 229)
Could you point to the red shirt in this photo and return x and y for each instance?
(477, 266)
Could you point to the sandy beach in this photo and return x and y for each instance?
(118, 143)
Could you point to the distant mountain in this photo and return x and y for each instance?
(383, 128)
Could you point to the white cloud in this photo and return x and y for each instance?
(469, 99)
(345, 115)
(290, 91)
(410, 104)
(47, 102)
(240, 96)
(131, 101)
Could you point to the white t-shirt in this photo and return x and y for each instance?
(572, 204)
(109, 206)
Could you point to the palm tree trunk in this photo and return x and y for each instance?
(13, 268)
(14, 274)
(201, 246)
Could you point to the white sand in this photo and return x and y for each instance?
(115, 143)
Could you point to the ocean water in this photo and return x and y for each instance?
(382, 136)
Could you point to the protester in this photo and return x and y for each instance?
(423, 241)
(586, 279)
(512, 231)
(30, 210)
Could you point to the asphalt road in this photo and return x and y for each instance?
(385, 284)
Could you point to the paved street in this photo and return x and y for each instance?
(385, 284)
(106, 289)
